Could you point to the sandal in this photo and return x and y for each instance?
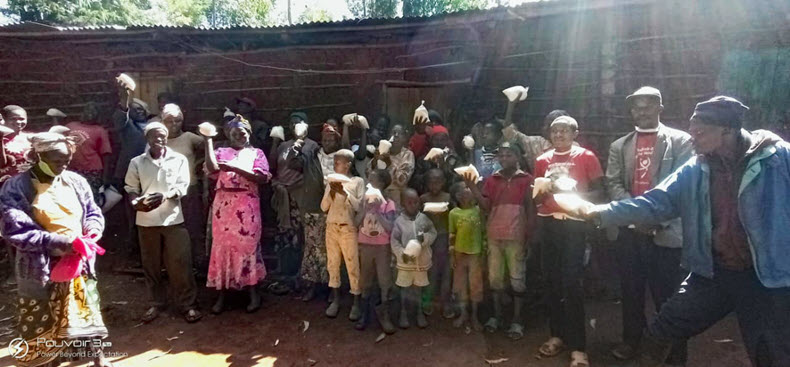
(516, 331)
(192, 316)
(151, 314)
(491, 325)
(278, 289)
(551, 347)
(579, 359)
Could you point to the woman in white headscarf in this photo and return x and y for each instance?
(50, 217)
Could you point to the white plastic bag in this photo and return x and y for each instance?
(278, 132)
(363, 122)
(207, 129)
(373, 194)
(300, 130)
(336, 177)
(384, 146)
(5, 130)
(463, 171)
(541, 185)
(572, 203)
(420, 114)
(436, 207)
(433, 153)
(54, 112)
(413, 248)
(469, 142)
(127, 81)
(512, 93)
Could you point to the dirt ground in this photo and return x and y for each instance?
(276, 336)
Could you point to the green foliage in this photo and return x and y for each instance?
(416, 8)
(311, 15)
(147, 12)
(373, 8)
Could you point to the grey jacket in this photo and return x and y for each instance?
(673, 149)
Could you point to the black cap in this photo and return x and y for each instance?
(721, 111)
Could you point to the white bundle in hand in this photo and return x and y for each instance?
(420, 114)
(300, 130)
(337, 177)
(362, 121)
(278, 132)
(541, 185)
(246, 159)
(513, 92)
(207, 129)
(373, 194)
(371, 148)
(228, 113)
(54, 112)
(470, 169)
(413, 248)
(565, 184)
(469, 142)
(436, 207)
(572, 203)
(5, 130)
(433, 153)
(381, 165)
(127, 81)
(384, 146)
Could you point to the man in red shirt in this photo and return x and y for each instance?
(506, 198)
(647, 255)
(570, 168)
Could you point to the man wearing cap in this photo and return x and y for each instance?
(260, 139)
(647, 254)
(156, 182)
(576, 172)
(733, 200)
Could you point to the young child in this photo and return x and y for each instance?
(440, 270)
(506, 196)
(375, 222)
(466, 239)
(412, 270)
(341, 202)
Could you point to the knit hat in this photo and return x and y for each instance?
(300, 115)
(722, 111)
(512, 146)
(155, 126)
(567, 120)
(437, 129)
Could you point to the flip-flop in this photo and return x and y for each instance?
(515, 332)
(579, 359)
(192, 316)
(150, 315)
(551, 347)
(278, 289)
(492, 325)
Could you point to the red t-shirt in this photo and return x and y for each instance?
(88, 156)
(507, 219)
(645, 146)
(578, 163)
(419, 144)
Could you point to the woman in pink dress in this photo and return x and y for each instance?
(236, 261)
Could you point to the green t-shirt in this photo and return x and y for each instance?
(467, 226)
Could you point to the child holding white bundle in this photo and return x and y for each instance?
(375, 221)
(412, 237)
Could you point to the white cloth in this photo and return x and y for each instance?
(168, 175)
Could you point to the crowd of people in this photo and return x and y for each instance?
(697, 218)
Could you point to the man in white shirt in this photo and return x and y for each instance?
(156, 181)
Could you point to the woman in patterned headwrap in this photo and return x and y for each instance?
(50, 217)
(236, 261)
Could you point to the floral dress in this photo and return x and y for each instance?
(236, 260)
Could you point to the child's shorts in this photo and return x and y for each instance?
(408, 278)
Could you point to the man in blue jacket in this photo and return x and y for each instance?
(734, 202)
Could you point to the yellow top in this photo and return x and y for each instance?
(57, 208)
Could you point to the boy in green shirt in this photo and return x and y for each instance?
(466, 245)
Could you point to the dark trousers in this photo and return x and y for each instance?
(563, 265)
(172, 244)
(763, 313)
(643, 264)
(195, 222)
